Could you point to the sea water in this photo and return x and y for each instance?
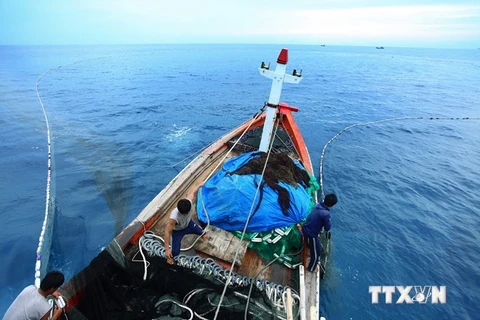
(124, 119)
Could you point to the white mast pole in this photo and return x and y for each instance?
(278, 78)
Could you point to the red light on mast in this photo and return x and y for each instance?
(283, 57)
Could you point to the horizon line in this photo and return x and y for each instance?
(241, 43)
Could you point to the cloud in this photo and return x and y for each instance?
(209, 19)
(407, 21)
(266, 21)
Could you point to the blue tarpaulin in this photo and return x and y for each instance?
(228, 200)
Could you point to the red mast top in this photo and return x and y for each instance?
(283, 56)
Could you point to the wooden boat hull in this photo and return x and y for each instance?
(221, 246)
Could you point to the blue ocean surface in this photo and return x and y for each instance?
(124, 118)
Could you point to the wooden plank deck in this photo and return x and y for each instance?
(222, 245)
(312, 301)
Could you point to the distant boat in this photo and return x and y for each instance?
(380, 48)
(322, 45)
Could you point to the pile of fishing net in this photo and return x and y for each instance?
(280, 168)
(108, 290)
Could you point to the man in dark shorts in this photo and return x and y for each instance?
(179, 225)
(318, 218)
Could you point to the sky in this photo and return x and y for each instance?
(400, 23)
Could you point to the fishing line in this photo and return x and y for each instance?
(322, 157)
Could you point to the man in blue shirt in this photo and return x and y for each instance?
(318, 218)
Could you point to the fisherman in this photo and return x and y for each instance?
(318, 218)
(179, 225)
(32, 303)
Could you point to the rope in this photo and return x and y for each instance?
(294, 294)
(178, 304)
(237, 249)
(144, 260)
(203, 203)
(366, 124)
(207, 266)
(231, 148)
(370, 123)
(46, 221)
(206, 147)
(188, 157)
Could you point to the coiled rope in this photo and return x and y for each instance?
(370, 123)
(178, 304)
(207, 266)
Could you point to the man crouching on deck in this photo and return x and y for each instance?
(179, 225)
(317, 219)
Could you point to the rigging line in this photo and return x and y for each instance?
(188, 157)
(293, 144)
(207, 146)
(206, 179)
(237, 249)
(230, 150)
(376, 122)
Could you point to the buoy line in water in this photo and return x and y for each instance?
(322, 157)
(47, 221)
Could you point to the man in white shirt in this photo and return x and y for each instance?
(32, 303)
(179, 225)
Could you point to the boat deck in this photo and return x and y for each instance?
(221, 245)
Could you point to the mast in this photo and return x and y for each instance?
(278, 78)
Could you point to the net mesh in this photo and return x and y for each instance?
(108, 290)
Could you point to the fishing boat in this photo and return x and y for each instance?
(251, 190)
